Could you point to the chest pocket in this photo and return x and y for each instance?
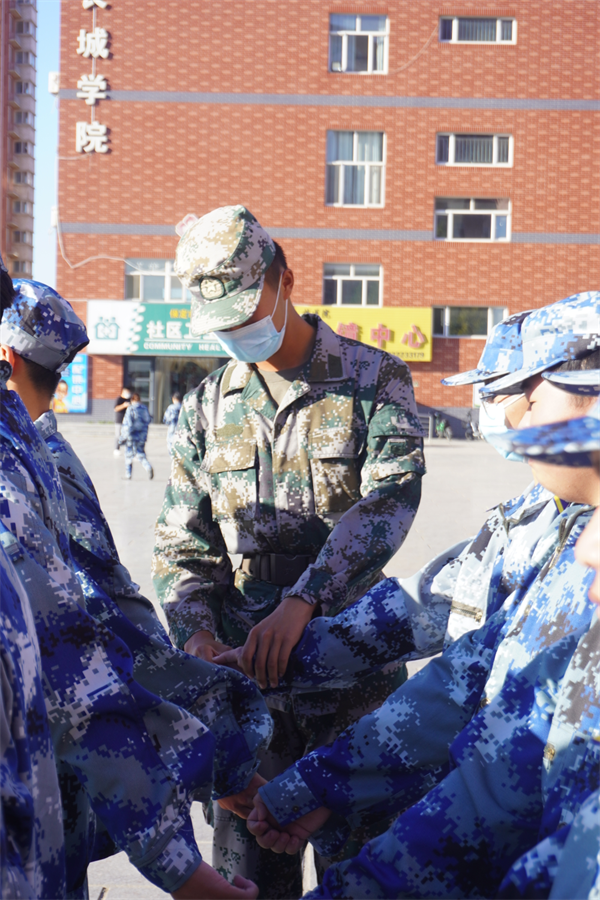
(334, 471)
(231, 466)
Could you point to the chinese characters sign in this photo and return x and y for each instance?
(92, 137)
(145, 329)
(404, 331)
(71, 395)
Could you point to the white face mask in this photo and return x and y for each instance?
(256, 342)
(135, 403)
(125, 395)
(492, 424)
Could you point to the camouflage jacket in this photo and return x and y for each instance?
(564, 864)
(411, 618)
(519, 772)
(136, 422)
(140, 760)
(171, 418)
(333, 473)
(227, 702)
(393, 756)
(32, 862)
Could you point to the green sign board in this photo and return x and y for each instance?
(163, 329)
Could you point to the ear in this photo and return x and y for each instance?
(287, 282)
(8, 354)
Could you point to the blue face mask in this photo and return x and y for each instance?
(492, 424)
(256, 342)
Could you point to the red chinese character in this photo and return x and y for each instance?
(350, 330)
(380, 334)
(414, 338)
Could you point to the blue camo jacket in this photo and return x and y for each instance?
(226, 701)
(519, 772)
(32, 863)
(411, 618)
(140, 760)
(390, 758)
(134, 430)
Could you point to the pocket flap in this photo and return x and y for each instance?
(332, 443)
(229, 456)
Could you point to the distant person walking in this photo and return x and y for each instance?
(121, 406)
(171, 418)
(134, 434)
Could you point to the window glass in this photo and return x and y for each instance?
(474, 148)
(375, 184)
(378, 61)
(351, 293)
(329, 292)
(358, 53)
(502, 149)
(441, 227)
(501, 225)
(472, 227)
(372, 293)
(132, 287)
(466, 320)
(335, 52)
(339, 145)
(438, 320)
(452, 203)
(342, 22)
(506, 30)
(154, 287)
(354, 185)
(332, 188)
(373, 23)
(336, 269)
(178, 291)
(496, 315)
(445, 29)
(370, 146)
(486, 203)
(363, 269)
(443, 146)
(477, 29)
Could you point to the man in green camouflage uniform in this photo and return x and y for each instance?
(309, 465)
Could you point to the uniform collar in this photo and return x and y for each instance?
(46, 424)
(326, 361)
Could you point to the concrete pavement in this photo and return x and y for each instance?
(463, 480)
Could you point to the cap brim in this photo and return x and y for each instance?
(229, 311)
(475, 376)
(563, 443)
(582, 381)
(512, 383)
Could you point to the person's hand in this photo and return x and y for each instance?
(269, 644)
(283, 839)
(207, 884)
(242, 804)
(231, 659)
(203, 645)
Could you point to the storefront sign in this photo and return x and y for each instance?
(72, 392)
(125, 328)
(404, 331)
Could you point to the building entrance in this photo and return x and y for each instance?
(180, 374)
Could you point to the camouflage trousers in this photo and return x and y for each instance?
(137, 451)
(298, 731)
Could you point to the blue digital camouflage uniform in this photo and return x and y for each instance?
(171, 418)
(32, 863)
(392, 757)
(140, 760)
(332, 475)
(570, 443)
(518, 772)
(134, 434)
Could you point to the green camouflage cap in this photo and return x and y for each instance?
(222, 258)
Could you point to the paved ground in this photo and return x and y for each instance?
(463, 480)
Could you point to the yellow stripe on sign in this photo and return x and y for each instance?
(405, 331)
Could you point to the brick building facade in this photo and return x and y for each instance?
(467, 133)
(18, 53)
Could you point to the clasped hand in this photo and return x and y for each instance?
(287, 838)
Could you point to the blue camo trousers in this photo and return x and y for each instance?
(137, 451)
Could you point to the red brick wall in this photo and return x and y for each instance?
(168, 159)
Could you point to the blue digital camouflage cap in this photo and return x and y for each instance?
(569, 443)
(583, 381)
(42, 327)
(565, 330)
(502, 353)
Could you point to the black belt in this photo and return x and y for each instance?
(276, 568)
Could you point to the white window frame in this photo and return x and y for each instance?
(344, 33)
(20, 210)
(23, 178)
(24, 237)
(471, 337)
(23, 148)
(494, 164)
(166, 272)
(454, 39)
(364, 278)
(26, 88)
(449, 213)
(356, 162)
(27, 58)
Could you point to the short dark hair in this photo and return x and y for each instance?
(42, 379)
(278, 265)
(176, 396)
(590, 360)
(7, 292)
(135, 394)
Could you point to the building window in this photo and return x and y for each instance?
(466, 321)
(24, 87)
(358, 43)
(20, 267)
(24, 57)
(21, 206)
(458, 219)
(21, 147)
(21, 237)
(355, 168)
(352, 284)
(474, 150)
(23, 118)
(153, 279)
(23, 178)
(25, 28)
(462, 30)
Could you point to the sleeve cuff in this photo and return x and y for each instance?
(175, 863)
(288, 797)
(318, 586)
